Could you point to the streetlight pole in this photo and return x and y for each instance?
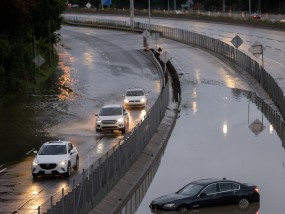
(149, 15)
(132, 13)
(249, 7)
(168, 5)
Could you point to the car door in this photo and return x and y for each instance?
(229, 192)
(208, 197)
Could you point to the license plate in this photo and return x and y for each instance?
(48, 172)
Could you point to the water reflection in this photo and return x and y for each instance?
(271, 114)
(225, 128)
(253, 209)
(65, 81)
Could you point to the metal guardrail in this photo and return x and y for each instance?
(232, 54)
(92, 185)
(102, 175)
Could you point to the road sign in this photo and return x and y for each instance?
(165, 57)
(88, 5)
(146, 33)
(39, 60)
(256, 127)
(237, 41)
(256, 49)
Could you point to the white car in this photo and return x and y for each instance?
(135, 97)
(55, 158)
(112, 117)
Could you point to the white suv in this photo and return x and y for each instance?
(135, 97)
(112, 117)
(55, 158)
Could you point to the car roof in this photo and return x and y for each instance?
(211, 180)
(59, 142)
(112, 106)
(135, 89)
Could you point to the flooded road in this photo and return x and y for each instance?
(220, 133)
(215, 136)
(96, 67)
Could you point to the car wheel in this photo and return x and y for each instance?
(35, 176)
(68, 172)
(76, 167)
(183, 209)
(243, 203)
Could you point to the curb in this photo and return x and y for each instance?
(146, 165)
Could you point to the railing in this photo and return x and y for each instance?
(94, 183)
(102, 175)
(216, 46)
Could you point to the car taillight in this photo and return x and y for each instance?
(256, 189)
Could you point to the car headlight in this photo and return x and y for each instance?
(35, 163)
(126, 101)
(143, 100)
(120, 120)
(62, 163)
(98, 119)
(167, 206)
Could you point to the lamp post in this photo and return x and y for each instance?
(132, 13)
(149, 15)
(168, 5)
(249, 7)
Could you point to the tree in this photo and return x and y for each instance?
(19, 21)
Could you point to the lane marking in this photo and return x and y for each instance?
(3, 170)
(29, 152)
(283, 65)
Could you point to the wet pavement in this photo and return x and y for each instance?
(273, 41)
(96, 67)
(212, 136)
(216, 135)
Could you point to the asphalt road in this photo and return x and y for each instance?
(96, 67)
(214, 119)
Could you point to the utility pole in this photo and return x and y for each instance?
(49, 39)
(249, 7)
(168, 5)
(149, 15)
(132, 13)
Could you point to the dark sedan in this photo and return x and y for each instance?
(208, 193)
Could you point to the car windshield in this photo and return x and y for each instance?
(135, 93)
(191, 189)
(53, 150)
(110, 111)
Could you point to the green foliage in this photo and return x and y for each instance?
(27, 28)
(276, 6)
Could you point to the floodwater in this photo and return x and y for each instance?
(221, 134)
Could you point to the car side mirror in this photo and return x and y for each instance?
(203, 195)
(71, 151)
(35, 152)
(125, 113)
(96, 115)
